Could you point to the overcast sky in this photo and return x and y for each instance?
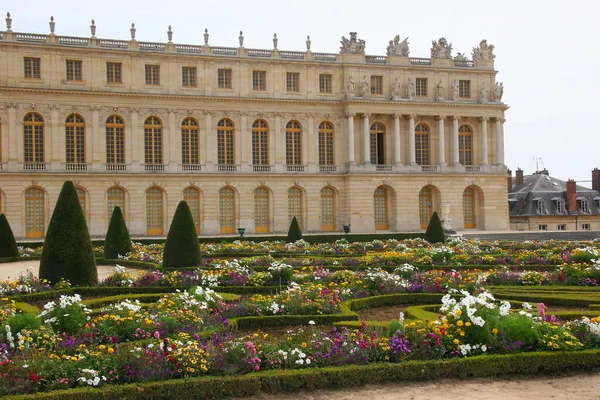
(547, 52)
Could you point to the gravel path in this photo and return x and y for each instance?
(14, 269)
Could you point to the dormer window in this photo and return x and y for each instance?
(583, 205)
(597, 201)
(560, 205)
(540, 206)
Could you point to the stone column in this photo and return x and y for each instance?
(53, 145)
(455, 157)
(484, 141)
(134, 143)
(310, 142)
(397, 147)
(171, 139)
(499, 141)
(97, 149)
(280, 156)
(209, 148)
(245, 142)
(12, 137)
(441, 144)
(366, 139)
(350, 117)
(411, 141)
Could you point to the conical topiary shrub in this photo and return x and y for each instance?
(8, 244)
(294, 234)
(68, 249)
(182, 248)
(435, 231)
(117, 241)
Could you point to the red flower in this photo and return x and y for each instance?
(34, 378)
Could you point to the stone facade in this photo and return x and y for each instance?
(278, 133)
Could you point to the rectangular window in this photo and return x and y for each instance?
(543, 227)
(224, 78)
(376, 84)
(464, 89)
(113, 72)
(325, 83)
(74, 70)
(585, 227)
(188, 77)
(33, 68)
(421, 87)
(153, 75)
(562, 227)
(292, 80)
(259, 80)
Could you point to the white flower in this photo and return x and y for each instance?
(311, 322)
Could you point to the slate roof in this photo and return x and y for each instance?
(522, 199)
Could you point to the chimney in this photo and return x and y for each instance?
(572, 195)
(596, 179)
(509, 180)
(544, 172)
(519, 180)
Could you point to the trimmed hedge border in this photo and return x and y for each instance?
(271, 382)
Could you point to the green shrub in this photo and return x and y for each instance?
(435, 231)
(8, 244)
(294, 233)
(19, 322)
(117, 240)
(182, 248)
(68, 251)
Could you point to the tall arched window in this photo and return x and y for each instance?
(191, 195)
(469, 207)
(295, 204)
(293, 143)
(33, 139)
(261, 210)
(190, 142)
(75, 139)
(227, 210)
(422, 144)
(154, 211)
(153, 141)
(380, 200)
(327, 209)
(115, 196)
(465, 145)
(377, 143)
(225, 142)
(326, 140)
(115, 142)
(34, 213)
(260, 142)
(82, 202)
(425, 206)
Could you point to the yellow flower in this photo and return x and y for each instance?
(73, 358)
(102, 347)
(459, 323)
(467, 323)
(495, 331)
(111, 350)
(456, 341)
(303, 344)
(458, 312)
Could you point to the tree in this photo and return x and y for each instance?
(182, 248)
(294, 234)
(117, 241)
(8, 244)
(68, 251)
(435, 231)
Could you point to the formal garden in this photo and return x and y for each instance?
(241, 317)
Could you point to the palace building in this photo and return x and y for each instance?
(249, 137)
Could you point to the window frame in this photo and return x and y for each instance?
(261, 210)
(37, 127)
(326, 143)
(542, 227)
(586, 227)
(376, 85)
(328, 211)
(155, 210)
(422, 153)
(75, 131)
(32, 68)
(114, 73)
(116, 147)
(377, 136)
(224, 78)
(259, 81)
(292, 82)
(191, 195)
(260, 142)
(464, 89)
(465, 145)
(189, 77)
(225, 142)
(295, 204)
(74, 69)
(325, 83)
(561, 227)
(152, 74)
(293, 143)
(421, 87)
(153, 141)
(190, 141)
(381, 209)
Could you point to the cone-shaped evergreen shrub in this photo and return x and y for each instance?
(68, 249)
(8, 244)
(294, 234)
(182, 248)
(117, 241)
(435, 231)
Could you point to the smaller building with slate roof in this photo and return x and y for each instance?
(541, 202)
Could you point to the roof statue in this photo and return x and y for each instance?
(398, 48)
(352, 45)
(441, 49)
(460, 57)
(483, 52)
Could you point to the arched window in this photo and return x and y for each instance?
(190, 142)
(425, 206)
(295, 205)
(381, 209)
(261, 210)
(422, 144)
(293, 143)
(225, 142)
(154, 211)
(227, 210)
(469, 207)
(327, 209)
(115, 142)
(377, 143)
(326, 140)
(33, 139)
(191, 196)
(82, 202)
(153, 140)
(34, 213)
(465, 145)
(75, 140)
(260, 143)
(115, 196)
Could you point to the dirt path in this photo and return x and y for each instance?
(13, 270)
